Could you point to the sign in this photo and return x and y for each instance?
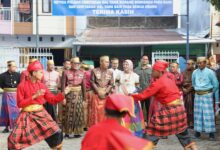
(112, 7)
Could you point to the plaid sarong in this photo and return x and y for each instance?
(31, 128)
(204, 117)
(8, 109)
(169, 120)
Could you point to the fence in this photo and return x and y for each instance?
(168, 56)
(22, 55)
(5, 13)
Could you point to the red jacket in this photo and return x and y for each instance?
(26, 89)
(163, 89)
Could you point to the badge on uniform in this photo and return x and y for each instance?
(98, 75)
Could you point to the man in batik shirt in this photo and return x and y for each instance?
(102, 82)
(73, 112)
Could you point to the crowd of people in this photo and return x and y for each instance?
(151, 102)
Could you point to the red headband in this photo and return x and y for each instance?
(160, 65)
(34, 66)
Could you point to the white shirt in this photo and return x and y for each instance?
(128, 81)
(116, 73)
(51, 79)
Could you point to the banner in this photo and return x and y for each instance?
(112, 7)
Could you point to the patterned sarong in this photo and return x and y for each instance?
(8, 109)
(135, 124)
(96, 110)
(87, 108)
(168, 120)
(31, 128)
(73, 113)
(204, 117)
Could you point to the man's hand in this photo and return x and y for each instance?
(64, 102)
(101, 94)
(67, 90)
(40, 92)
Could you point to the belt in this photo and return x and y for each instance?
(75, 88)
(31, 108)
(204, 92)
(175, 102)
(10, 89)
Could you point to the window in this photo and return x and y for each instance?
(46, 6)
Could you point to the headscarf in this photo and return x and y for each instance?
(130, 65)
(34, 66)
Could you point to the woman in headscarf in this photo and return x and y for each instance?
(34, 124)
(128, 83)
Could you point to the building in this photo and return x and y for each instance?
(20, 23)
(131, 37)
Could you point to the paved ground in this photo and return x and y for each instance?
(166, 144)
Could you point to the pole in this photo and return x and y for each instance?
(37, 29)
(187, 30)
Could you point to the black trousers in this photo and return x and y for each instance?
(51, 109)
(55, 140)
(183, 137)
(146, 106)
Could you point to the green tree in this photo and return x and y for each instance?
(215, 3)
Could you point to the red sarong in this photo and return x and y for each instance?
(96, 110)
(31, 128)
(167, 120)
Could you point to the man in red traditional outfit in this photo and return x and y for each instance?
(109, 134)
(102, 82)
(169, 117)
(34, 124)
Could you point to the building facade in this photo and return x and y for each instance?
(28, 28)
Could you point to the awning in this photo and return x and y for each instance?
(133, 37)
(21, 41)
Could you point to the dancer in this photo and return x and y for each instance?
(109, 134)
(34, 124)
(170, 117)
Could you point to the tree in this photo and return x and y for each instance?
(215, 3)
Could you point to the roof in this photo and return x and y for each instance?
(133, 36)
(22, 41)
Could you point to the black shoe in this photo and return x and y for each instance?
(212, 137)
(5, 130)
(197, 135)
(77, 136)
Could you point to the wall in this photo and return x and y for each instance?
(51, 25)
